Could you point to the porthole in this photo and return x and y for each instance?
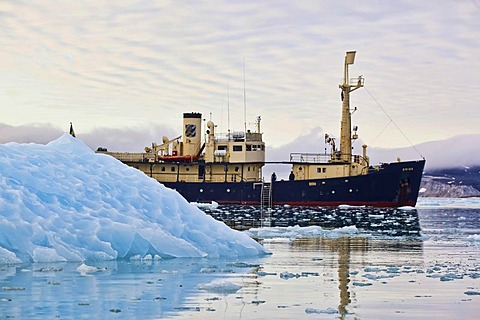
(350, 190)
(201, 190)
(333, 191)
(228, 190)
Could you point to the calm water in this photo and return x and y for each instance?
(362, 264)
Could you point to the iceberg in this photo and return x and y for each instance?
(63, 202)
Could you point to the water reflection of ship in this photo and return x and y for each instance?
(348, 249)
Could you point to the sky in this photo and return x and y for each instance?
(124, 72)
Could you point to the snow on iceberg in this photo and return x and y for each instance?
(63, 202)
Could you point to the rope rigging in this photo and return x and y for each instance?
(394, 123)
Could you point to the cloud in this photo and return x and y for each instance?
(36, 133)
(457, 151)
(126, 140)
(132, 139)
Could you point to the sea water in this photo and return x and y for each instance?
(326, 263)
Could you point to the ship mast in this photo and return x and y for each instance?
(346, 122)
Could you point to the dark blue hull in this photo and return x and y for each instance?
(391, 185)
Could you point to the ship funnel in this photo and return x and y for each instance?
(191, 137)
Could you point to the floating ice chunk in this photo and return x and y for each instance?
(220, 286)
(347, 230)
(371, 276)
(407, 208)
(208, 270)
(321, 311)
(375, 277)
(49, 269)
(212, 205)
(346, 207)
(13, 288)
(288, 275)
(473, 237)
(295, 232)
(393, 270)
(168, 272)
(361, 284)
(84, 269)
(263, 273)
(243, 265)
(444, 278)
(451, 277)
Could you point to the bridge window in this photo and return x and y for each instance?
(237, 148)
(222, 148)
(172, 169)
(249, 147)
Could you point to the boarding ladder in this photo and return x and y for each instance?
(266, 204)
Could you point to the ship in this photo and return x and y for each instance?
(228, 168)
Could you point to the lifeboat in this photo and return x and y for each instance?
(176, 158)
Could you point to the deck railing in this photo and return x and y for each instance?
(310, 157)
(320, 158)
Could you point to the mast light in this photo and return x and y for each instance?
(350, 57)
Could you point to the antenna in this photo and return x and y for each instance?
(228, 111)
(244, 99)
